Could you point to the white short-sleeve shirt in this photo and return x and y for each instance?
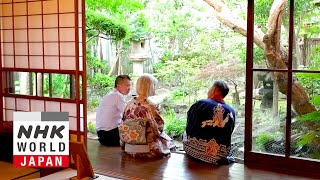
(110, 110)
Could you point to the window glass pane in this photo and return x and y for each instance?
(57, 85)
(38, 84)
(305, 134)
(306, 37)
(268, 114)
(20, 82)
(276, 55)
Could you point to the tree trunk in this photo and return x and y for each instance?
(171, 46)
(39, 79)
(24, 83)
(115, 69)
(304, 51)
(275, 54)
(275, 104)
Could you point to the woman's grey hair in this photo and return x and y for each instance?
(223, 87)
(146, 85)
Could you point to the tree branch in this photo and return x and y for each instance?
(275, 53)
(224, 15)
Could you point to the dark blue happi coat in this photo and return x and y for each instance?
(208, 133)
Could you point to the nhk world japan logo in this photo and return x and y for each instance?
(40, 139)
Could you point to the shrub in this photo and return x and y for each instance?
(263, 139)
(92, 128)
(173, 125)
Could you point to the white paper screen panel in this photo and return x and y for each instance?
(22, 104)
(8, 115)
(67, 34)
(34, 8)
(7, 23)
(21, 49)
(37, 105)
(35, 21)
(8, 61)
(22, 61)
(72, 123)
(81, 125)
(9, 103)
(7, 48)
(40, 29)
(20, 22)
(6, 10)
(81, 110)
(52, 106)
(35, 49)
(7, 36)
(35, 35)
(50, 7)
(67, 63)
(69, 107)
(36, 62)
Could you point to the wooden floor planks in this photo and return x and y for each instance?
(110, 161)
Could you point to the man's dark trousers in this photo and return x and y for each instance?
(109, 138)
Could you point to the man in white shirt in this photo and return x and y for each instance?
(110, 112)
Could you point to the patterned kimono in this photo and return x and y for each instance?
(159, 143)
(208, 133)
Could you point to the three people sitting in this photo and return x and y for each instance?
(210, 123)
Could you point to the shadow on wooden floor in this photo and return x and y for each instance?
(111, 162)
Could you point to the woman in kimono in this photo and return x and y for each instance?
(141, 108)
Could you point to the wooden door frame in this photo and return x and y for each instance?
(264, 160)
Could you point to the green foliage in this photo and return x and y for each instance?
(173, 125)
(94, 62)
(102, 81)
(305, 11)
(139, 27)
(258, 54)
(310, 81)
(316, 100)
(176, 24)
(118, 7)
(60, 85)
(314, 57)
(313, 116)
(179, 92)
(93, 103)
(99, 85)
(92, 128)
(261, 13)
(114, 17)
(307, 138)
(311, 121)
(99, 23)
(263, 138)
(305, 21)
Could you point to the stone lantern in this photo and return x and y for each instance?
(138, 55)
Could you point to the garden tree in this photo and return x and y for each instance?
(100, 26)
(184, 42)
(231, 71)
(175, 24)
(112, 20)
(109, 19)
(269, 41)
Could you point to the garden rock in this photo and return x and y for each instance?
(161, 96)
(180, 108)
